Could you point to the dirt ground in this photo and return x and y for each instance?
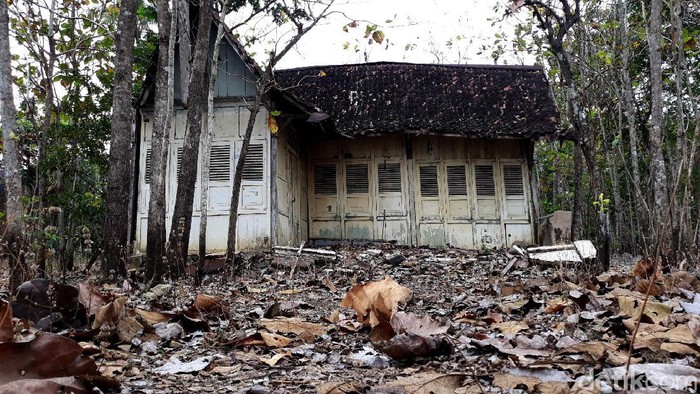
(501, 324)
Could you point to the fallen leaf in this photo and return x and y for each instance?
(645, 285)
(263, 338)
(424, 383)
(110, 313)
(46, 356)
(67, 384)
(174, 365)
(645, 268)
(509, 381)
(274, 359)
(329, 284)
(222, 370)
(376, 302)
(422, 325)
(340, 388)
(152, 317)
(632, 307)
(294, 325)
(90, 297)
(511, 327)
(409, 345)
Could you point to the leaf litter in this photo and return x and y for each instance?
(379, 319)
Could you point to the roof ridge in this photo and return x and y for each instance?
(434, 65)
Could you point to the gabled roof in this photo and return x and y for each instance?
(385, 98)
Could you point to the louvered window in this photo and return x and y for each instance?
(484, 180)
(220, 163)
(428, 181)
(179, 161)
(253, 167)
(513, 179)
(147, 175)
(389, 176)
(324, 180)
(356, 179)
(456, 181)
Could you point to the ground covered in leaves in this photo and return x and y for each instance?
(375, 319)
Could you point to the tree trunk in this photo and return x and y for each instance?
(238, 176)
(119, 175)
(182, 213)
(13, 236)
(185, 48)
(662, 213)
(208, 130)
(160, 141)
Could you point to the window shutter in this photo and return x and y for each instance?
(356, 179)
(389, 176)
(428, 181)
(513, 179)
(147, 175)
(253, 167)
(324, 180)
(220, 163)
(179, 161)
(484, 180)
(456, 181)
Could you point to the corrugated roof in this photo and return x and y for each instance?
(471, 100)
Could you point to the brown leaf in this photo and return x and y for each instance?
(329, 284)
(376, 302)
(294, 325)
(632, 307)
(274, 359)
(46, 356)
(511, 327)
(340, 388)
(409, 345)
(412, 323)
(263, 338)
(46, 386)
(682, 280)
(6, 325)
(643, 285)
(110, 313)
(645, 268)
(425, 383)
(152, 317)
(90, 297)
(509, 381)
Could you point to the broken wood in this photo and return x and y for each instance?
(297, 251)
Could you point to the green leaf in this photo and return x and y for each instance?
(276, 113)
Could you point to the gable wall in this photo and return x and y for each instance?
(229, 127)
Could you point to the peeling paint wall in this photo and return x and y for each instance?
(254, 210)
(423, 190)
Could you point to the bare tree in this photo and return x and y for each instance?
(118, 178)
(179, 238)
(160, 140)
(303, 22)
(13, 237)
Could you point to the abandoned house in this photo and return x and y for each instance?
(420, 154)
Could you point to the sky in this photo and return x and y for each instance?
(418, 31)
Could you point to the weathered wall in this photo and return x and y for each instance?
(423, 190)
(289, 191)
(230, 121)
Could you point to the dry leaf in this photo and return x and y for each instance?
(46, 356)
(90, 297)
(425, 383)
(263, 338)
(340, 388)
(274, 359)
(409, 345)
(656, 311)
(645, 268)
(509, 382)
(329, 284)
(294, 325)
(644, 285)
(376, 302)
(422, 325)
(47, 386)
(152, 317)
(110, 313)
(511, 327)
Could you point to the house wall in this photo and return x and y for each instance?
(422, 190)
(230, 120)
(289, 191)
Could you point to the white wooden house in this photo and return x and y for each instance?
(418, 154)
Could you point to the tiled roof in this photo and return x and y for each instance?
(384, 98)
